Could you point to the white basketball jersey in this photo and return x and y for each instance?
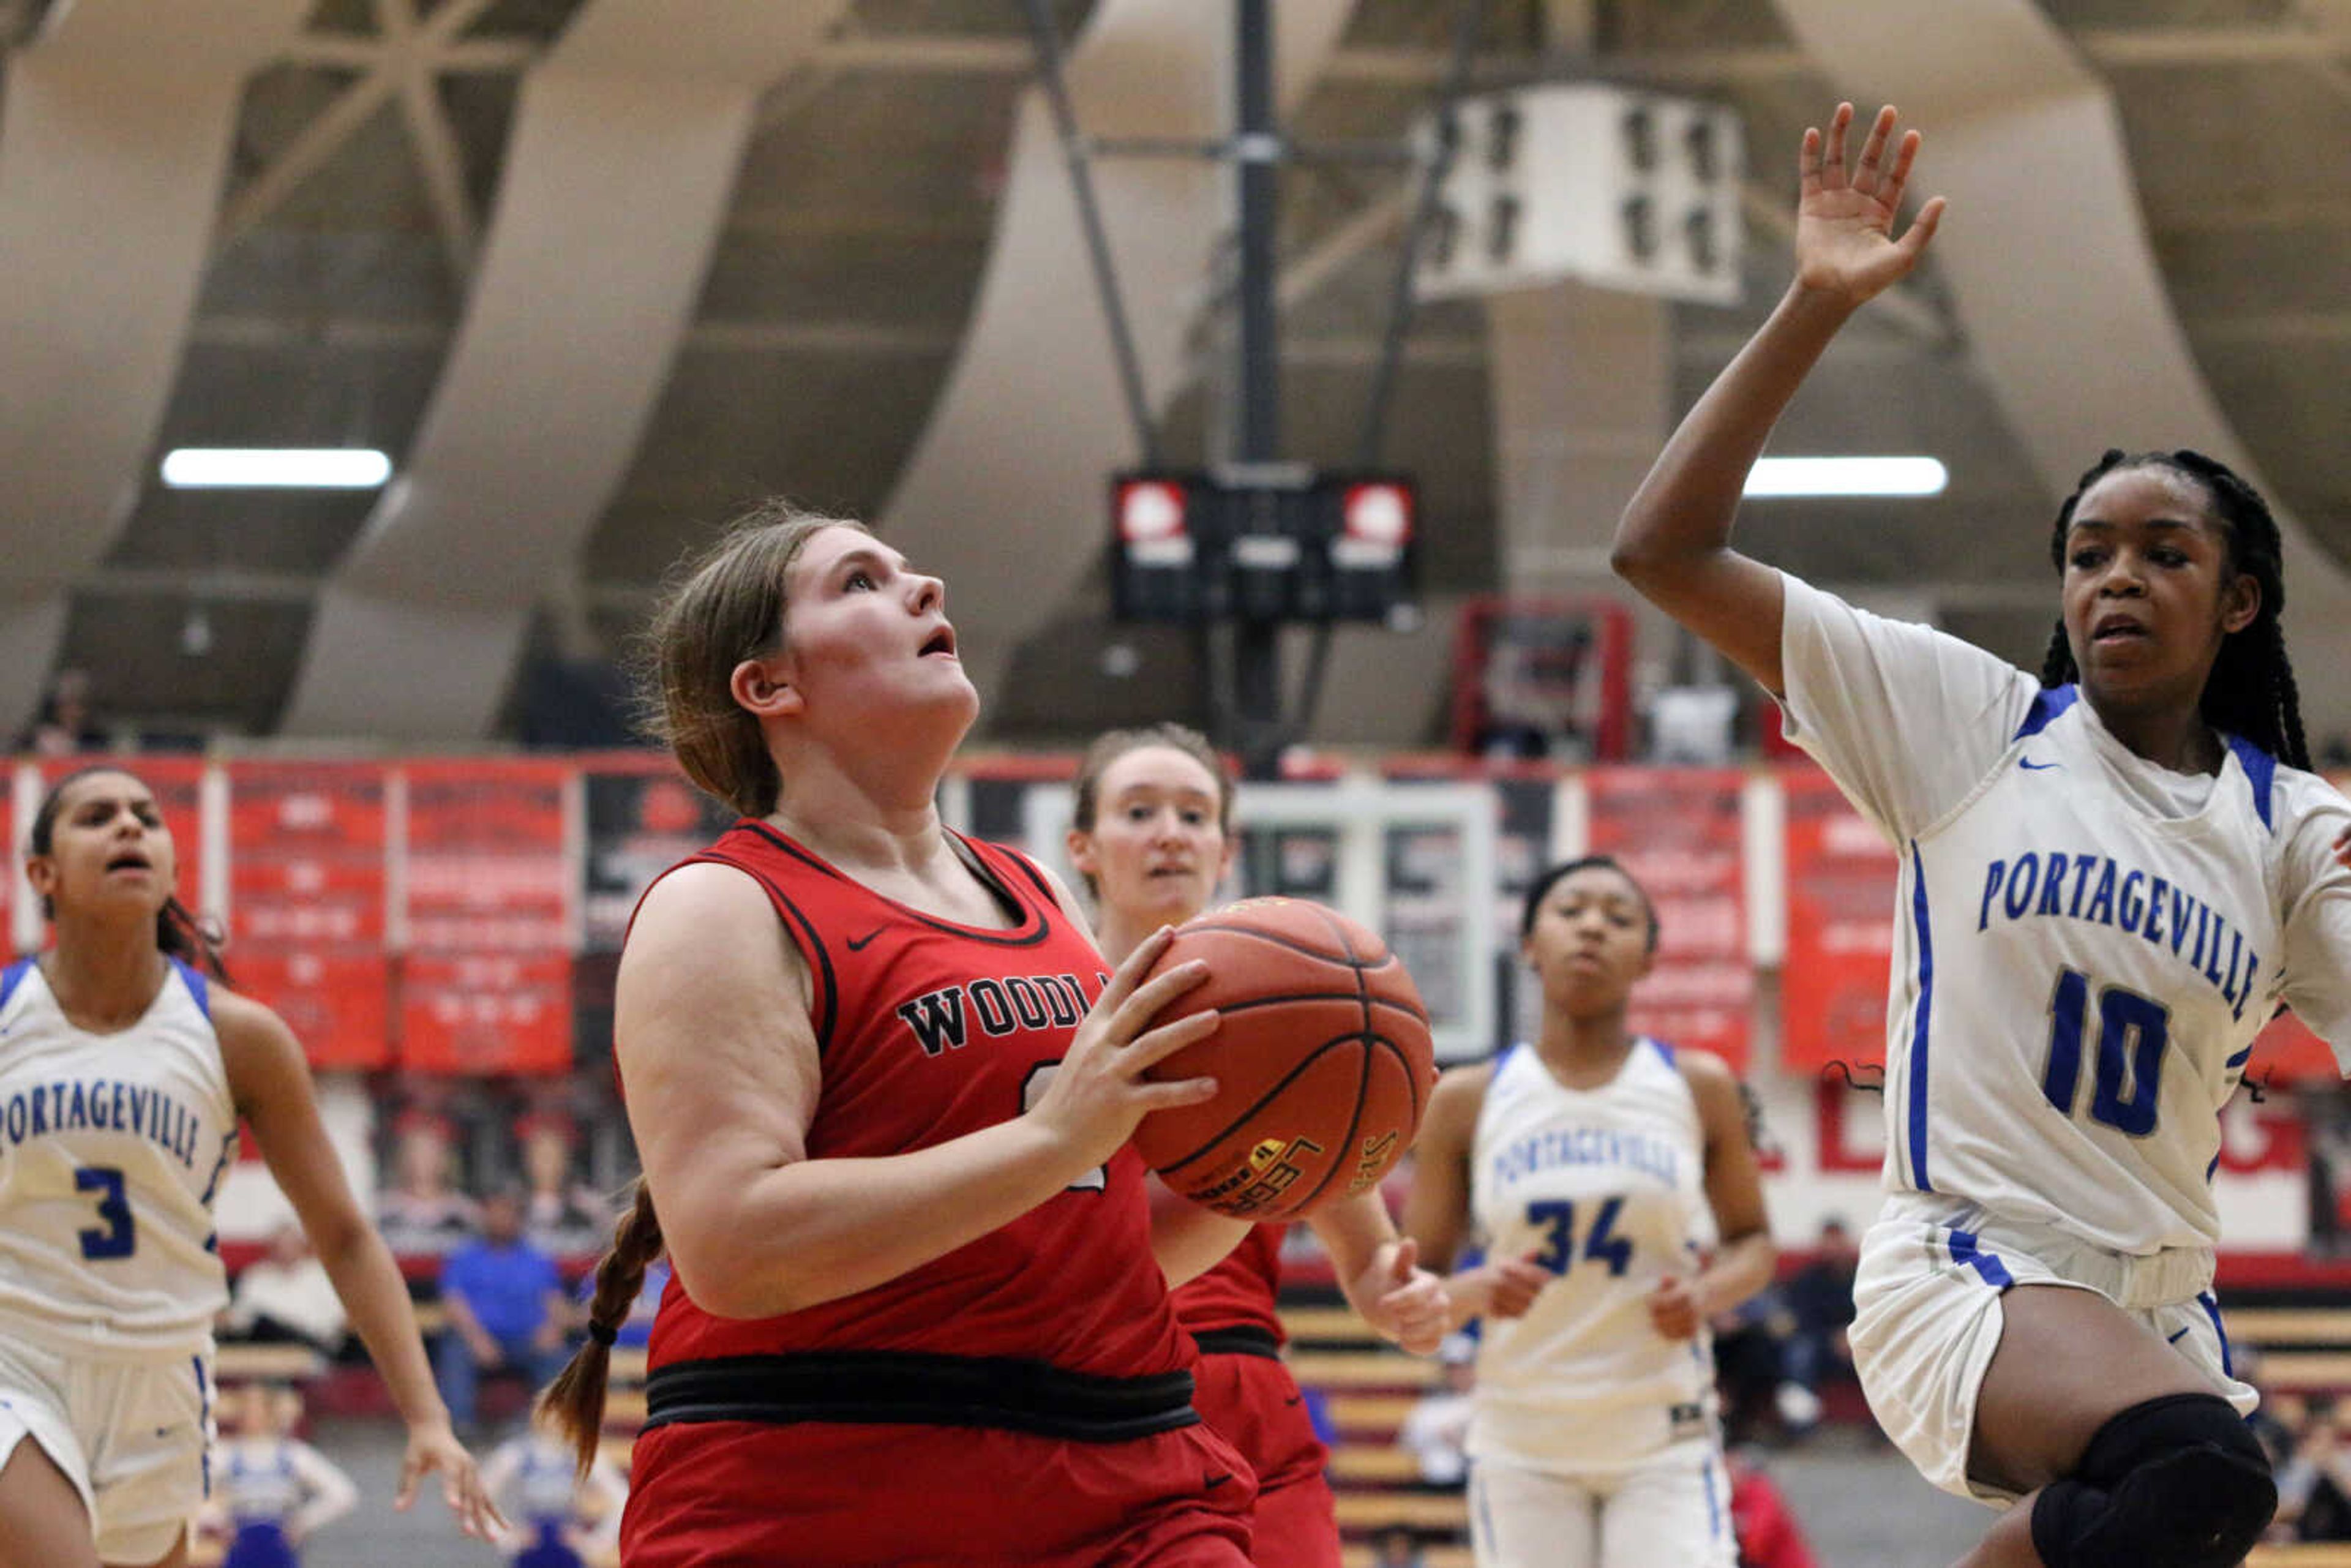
(1605, 1188)
(2077, 985)
(110, 1149)
(2085, 943)
(258, 1479)
(546, 1480)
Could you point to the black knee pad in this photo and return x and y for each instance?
(2175, 1482)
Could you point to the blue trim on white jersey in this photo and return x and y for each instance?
(1713, 1507)
(12, 976)
(2260, 769)
(204, 1421)
(1663, 1048)
(1918, 1066)
(198, 987)
(2211, 1305)
(2046, 705)
(1964, 1249)
(1485, 1510)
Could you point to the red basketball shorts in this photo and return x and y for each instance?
(745, 1494)
(1254, 1402)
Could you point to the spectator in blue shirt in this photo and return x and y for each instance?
(507, 1312)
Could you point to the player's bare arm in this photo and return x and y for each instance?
(270, 1083)
(720, 1056)
(1673, 543)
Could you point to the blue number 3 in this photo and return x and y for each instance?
(121, 1234)
(2133, 1030)
(1557, 1217)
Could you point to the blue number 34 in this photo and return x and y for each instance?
(1557, 1218)
(121, 1234)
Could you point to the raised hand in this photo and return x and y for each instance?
(1845, 221)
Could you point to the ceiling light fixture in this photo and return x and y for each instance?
(274, 468)
(1846, 476)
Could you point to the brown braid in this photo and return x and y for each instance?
(574, 1402)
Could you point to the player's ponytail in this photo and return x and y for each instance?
(574, 1402)
(2251, 690)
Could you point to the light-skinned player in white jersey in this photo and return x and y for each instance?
(1592, 1166)
(2112, 876)
(124, 1071)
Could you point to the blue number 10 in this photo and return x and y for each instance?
(2133, 1030)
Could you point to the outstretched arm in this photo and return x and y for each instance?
(1674, 541)
(271, 1085)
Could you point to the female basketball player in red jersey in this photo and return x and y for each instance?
(882, 1091)
(1152, 834)
(124, 1073)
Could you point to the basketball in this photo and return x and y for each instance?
(1322, 1057)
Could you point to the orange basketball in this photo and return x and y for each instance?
(1321, 1057)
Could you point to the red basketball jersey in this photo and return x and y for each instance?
(929, 1030)
(1240, 1291)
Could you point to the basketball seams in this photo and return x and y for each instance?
(1281, 1087)
(1404, 1008)
(1336, 962)
(1345, 958)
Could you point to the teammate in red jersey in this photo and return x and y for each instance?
(882, 1091)
(1151, 834)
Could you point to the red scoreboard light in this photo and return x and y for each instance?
(1271, 543)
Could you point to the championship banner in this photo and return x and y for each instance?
(1677, 831)
(178, 783)
(305, 912)
(642, 819)
(487, 884)
(486, 1013)
(1842, 878)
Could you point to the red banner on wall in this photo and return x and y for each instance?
(486, 1013)
(1677, 831)
(485, 987)
(307, 891)
(1841, 880)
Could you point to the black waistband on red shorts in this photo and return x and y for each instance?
(1241, 1339)
(916, 1389)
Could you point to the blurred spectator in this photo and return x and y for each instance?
(1819, 1299)
(1748, 1342)
(65, 724)
(562, 1216)
(2314, 1483)
(559, 1518)
(1765, 1526)
(1396, 1546)
(506, 1311)
(269, 1489)
(1436, 1428)
(284, 1296)
(422, 1212)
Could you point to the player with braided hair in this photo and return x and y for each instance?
(2112, 877)
(2251, 692)
(883, 1089)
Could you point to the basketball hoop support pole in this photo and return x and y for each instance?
(1256, 407)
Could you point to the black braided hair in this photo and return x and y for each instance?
(2251, 690)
